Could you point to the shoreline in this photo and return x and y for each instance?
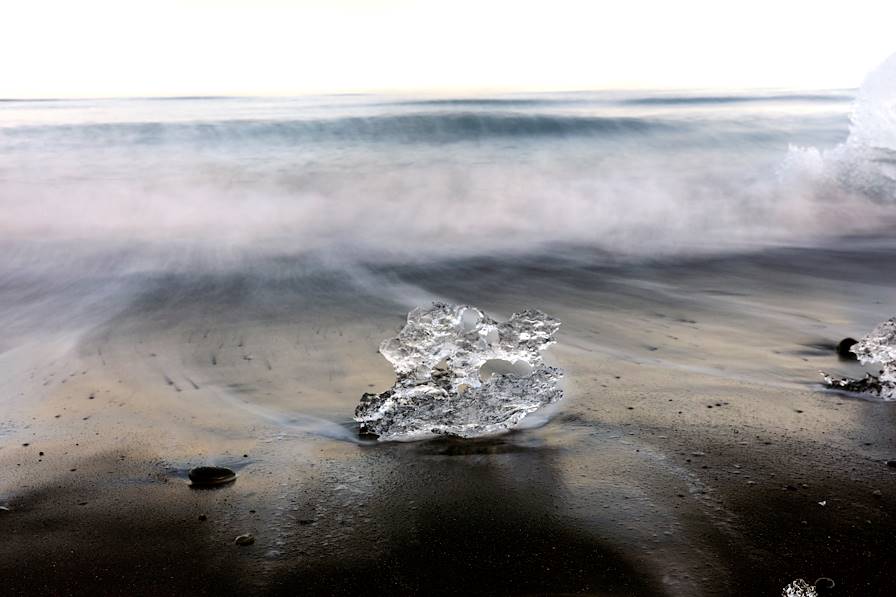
(689, 457)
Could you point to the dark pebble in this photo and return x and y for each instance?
(203, 517)
(843, 349)
(246, 539)
(891, 463)
(211, 476)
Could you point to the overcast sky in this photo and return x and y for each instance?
(100, 48)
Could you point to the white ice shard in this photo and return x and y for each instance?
(799, 588)
(463, 374)
(877, 347)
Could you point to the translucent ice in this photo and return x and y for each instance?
(877, 347)
(463, 374)
(799, 588)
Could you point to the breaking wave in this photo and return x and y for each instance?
(865, 163)
(370, 178)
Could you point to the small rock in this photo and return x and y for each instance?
(211, 476)
(203, 518)
(5, 509)
(246, 539)
(891, 463)
(843, 349)
(877, 493)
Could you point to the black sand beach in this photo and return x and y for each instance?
(695, 452)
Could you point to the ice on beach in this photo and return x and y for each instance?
(462, 374)
(799, 588)
(879, 346)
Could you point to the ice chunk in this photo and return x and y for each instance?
(461, 373)
(877, 347)
(880, 347)
(799, 588)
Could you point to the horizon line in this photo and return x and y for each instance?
(433, 92)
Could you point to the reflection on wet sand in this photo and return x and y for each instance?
(690, 457)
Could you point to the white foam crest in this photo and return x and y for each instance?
(863, 165)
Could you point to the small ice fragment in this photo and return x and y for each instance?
(462, 374)
(799, 588)
(877, 347)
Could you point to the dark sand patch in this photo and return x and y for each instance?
(664, 472)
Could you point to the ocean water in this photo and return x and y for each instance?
(187, 280)
(98, 196)
(373, 178)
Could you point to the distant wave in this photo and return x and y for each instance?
(441, 127)
(735, 99)
(494, 102)
(388, 179)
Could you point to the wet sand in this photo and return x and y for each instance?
(694, 454)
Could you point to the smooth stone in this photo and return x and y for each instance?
(211, 476)
(843, 349)
(246, 539)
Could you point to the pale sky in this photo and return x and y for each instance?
(120, 48)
